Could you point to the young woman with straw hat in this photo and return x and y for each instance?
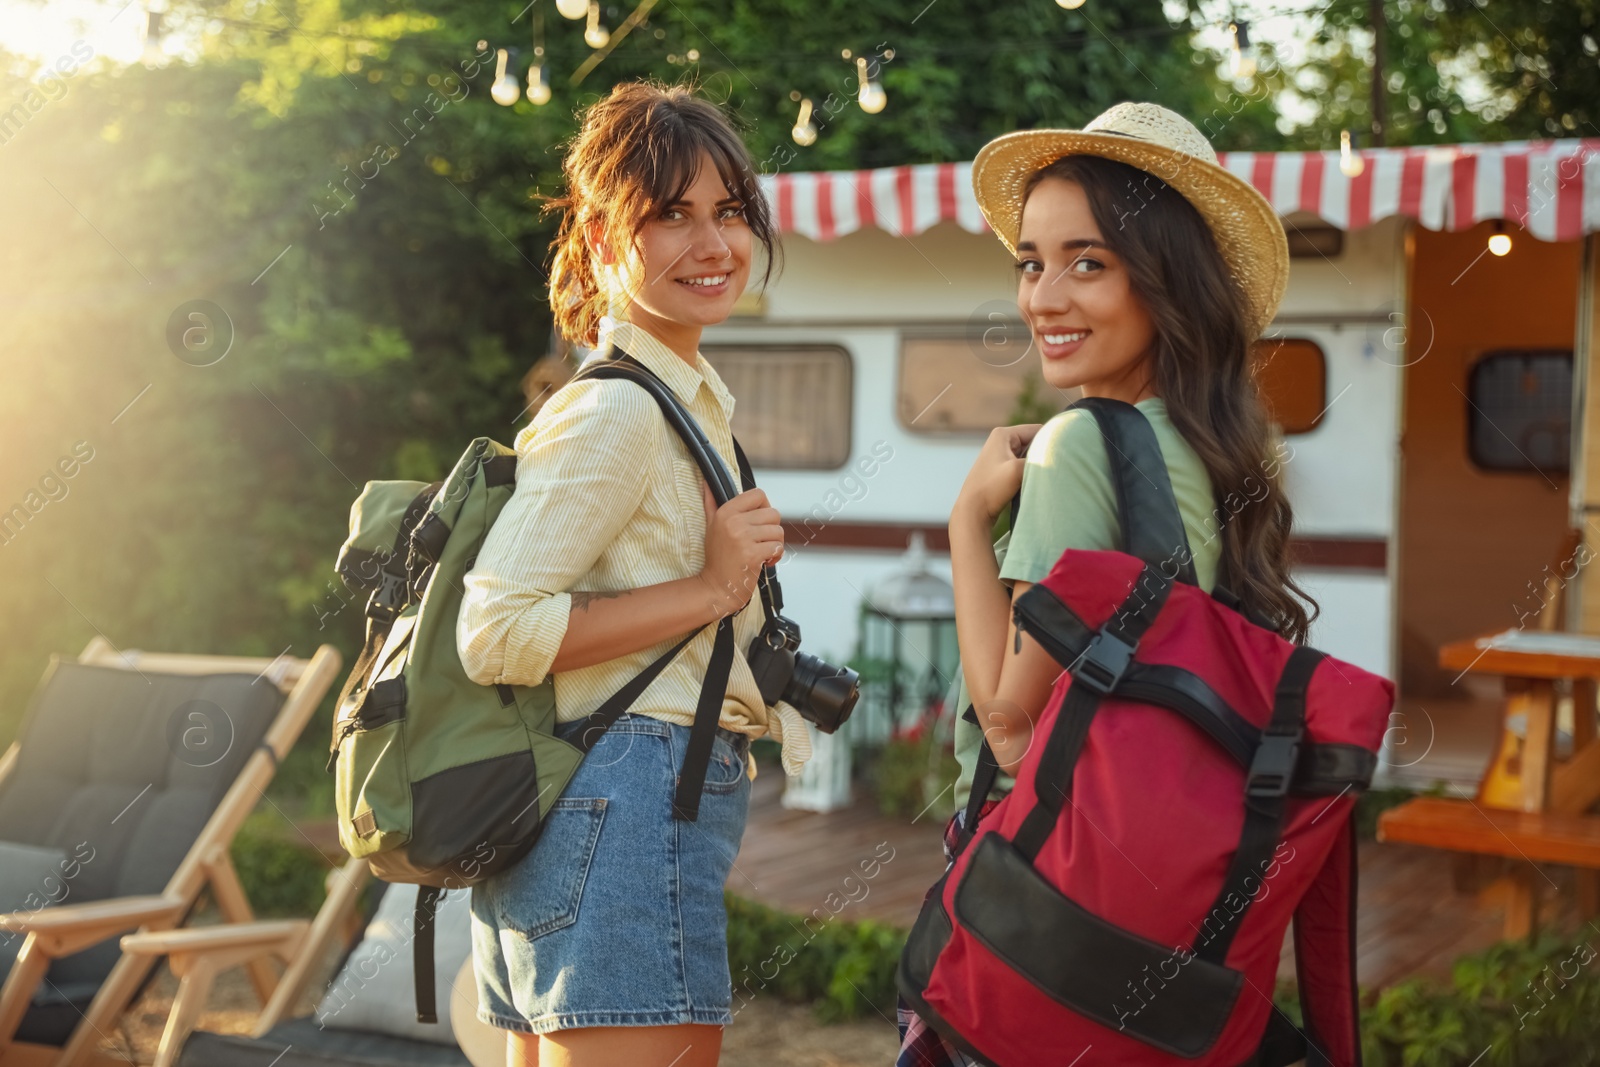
(1145, 271)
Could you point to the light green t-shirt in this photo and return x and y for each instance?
(1068, 502)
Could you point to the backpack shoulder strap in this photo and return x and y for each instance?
(747, 474)
(708, 709)
(700, 449)
(1152, 526)
(678, 417)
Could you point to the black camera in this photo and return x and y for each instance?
(821, 692)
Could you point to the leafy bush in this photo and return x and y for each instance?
(1516, 1004)
(280, 873)
(845, 969)
(910, 772)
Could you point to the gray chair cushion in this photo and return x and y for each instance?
(301, 1043)
(30, 878)
(374, 990)
(128, 764)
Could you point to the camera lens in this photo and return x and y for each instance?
(821, 692)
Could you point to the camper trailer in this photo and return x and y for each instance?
(1426, 380)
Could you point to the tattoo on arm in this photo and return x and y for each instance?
(581, 601)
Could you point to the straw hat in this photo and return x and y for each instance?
(1247, 229)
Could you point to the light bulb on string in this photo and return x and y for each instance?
(538, 79)
(1070, 5)
(153, 55)
(1350, 164)
(871, 96)
(538, 71)
(595, 35)
(572, 9)
(805, 131)
(1500, 240)
(1244, 60)
(504, 91)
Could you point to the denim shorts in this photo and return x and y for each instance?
(616, 917)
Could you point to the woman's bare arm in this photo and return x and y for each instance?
(1008, 680)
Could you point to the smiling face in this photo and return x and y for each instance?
(1078, 300)
(693, 261)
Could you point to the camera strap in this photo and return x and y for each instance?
(771, 591)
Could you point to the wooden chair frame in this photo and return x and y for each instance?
(53, 932)
(198, 955)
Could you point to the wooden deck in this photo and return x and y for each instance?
(1412, 922)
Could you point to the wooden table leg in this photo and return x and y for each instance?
(1588, 893)
(1583, 712)
(1538, 705)
(1522, 902)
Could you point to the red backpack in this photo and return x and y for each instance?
(1188, 791)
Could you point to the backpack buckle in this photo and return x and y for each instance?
(389, 599)
(1272, 767)
(1104, 662)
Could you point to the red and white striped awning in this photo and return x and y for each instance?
(1551, 188)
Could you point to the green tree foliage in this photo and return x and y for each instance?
(1538, 58)
(1455, 70)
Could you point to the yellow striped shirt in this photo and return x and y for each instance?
(607, 499)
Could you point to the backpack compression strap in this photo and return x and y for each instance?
(422, 918)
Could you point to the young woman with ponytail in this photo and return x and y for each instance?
(608, 944)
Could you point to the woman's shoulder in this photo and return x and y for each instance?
(1068, 432)
(1074, 435)
(607, 408)
(1070, 438)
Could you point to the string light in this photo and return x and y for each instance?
(871, 96)
(1350, 164)
(538, 79)
(572, 9)
(805, 131)
(153, 55)
(596, 35)
(504, 91)
(1244, 60)
(538, 74)
(1500, 240)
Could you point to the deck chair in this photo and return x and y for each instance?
(278, 1039)
(136, 770)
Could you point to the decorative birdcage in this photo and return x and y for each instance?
(907, 653)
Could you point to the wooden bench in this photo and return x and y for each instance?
(1536, 837)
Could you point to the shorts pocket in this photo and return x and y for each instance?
(726, 769)
(543, 892)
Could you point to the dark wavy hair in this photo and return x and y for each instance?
(1202, 368)
(636, 151)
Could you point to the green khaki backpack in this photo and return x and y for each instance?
(440, 781)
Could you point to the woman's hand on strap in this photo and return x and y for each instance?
(742, 536)
(996, 475)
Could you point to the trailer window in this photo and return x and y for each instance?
(1519, 411)
(794, 402)
(965, 385)
(1292, 375)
